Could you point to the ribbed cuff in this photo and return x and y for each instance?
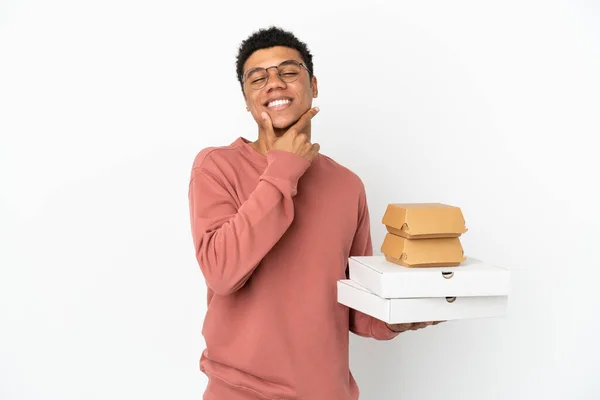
(285, 166)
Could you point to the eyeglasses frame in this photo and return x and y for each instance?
(301, 64)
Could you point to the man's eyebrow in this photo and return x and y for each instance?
(252, 70)
(257, 68)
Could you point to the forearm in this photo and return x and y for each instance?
(230, 242)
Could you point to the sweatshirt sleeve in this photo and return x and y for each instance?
(362, 324)
(230, 240)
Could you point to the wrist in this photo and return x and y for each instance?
(285, 165)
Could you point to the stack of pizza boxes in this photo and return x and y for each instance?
(423, 274)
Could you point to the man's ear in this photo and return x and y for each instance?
(246, 100)
(315, 87)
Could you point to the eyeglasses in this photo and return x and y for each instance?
(288, 71)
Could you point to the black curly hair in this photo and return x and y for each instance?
(271, 37)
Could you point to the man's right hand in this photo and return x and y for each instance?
(293, 140)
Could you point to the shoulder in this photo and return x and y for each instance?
(209, 156)
(341, 172)
(214, 158)
(347, 183)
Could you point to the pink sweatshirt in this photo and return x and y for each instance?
(272, 236)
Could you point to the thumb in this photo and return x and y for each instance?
(267, 125)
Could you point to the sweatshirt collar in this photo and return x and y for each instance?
(244, 145)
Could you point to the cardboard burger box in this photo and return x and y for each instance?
(424, 220)
(423, 234)
(438, 252)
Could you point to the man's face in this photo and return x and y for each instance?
(297, 96)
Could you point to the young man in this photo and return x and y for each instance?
(273, 224)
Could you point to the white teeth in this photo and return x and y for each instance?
(278, 103)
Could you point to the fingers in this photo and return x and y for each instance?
(301, 138)
(314, 151)
(417, 325)
(298, 126)
(400, 328)
(420, 325)
(301, 142)
(268, 127)
(293, 140)
(309, 150)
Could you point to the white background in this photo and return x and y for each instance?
(491, 106)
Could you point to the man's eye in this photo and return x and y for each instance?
(289, 74)
(258, 80)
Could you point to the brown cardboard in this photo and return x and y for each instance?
(424, 220)
(436, 252)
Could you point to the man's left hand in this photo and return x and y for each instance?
(411, 326)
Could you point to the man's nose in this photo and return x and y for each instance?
(274, 81)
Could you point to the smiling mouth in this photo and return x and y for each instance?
(278, 104)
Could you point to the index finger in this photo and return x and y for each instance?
(298, 126)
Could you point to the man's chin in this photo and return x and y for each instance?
(284, 124)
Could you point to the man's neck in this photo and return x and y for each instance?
(260, 144)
